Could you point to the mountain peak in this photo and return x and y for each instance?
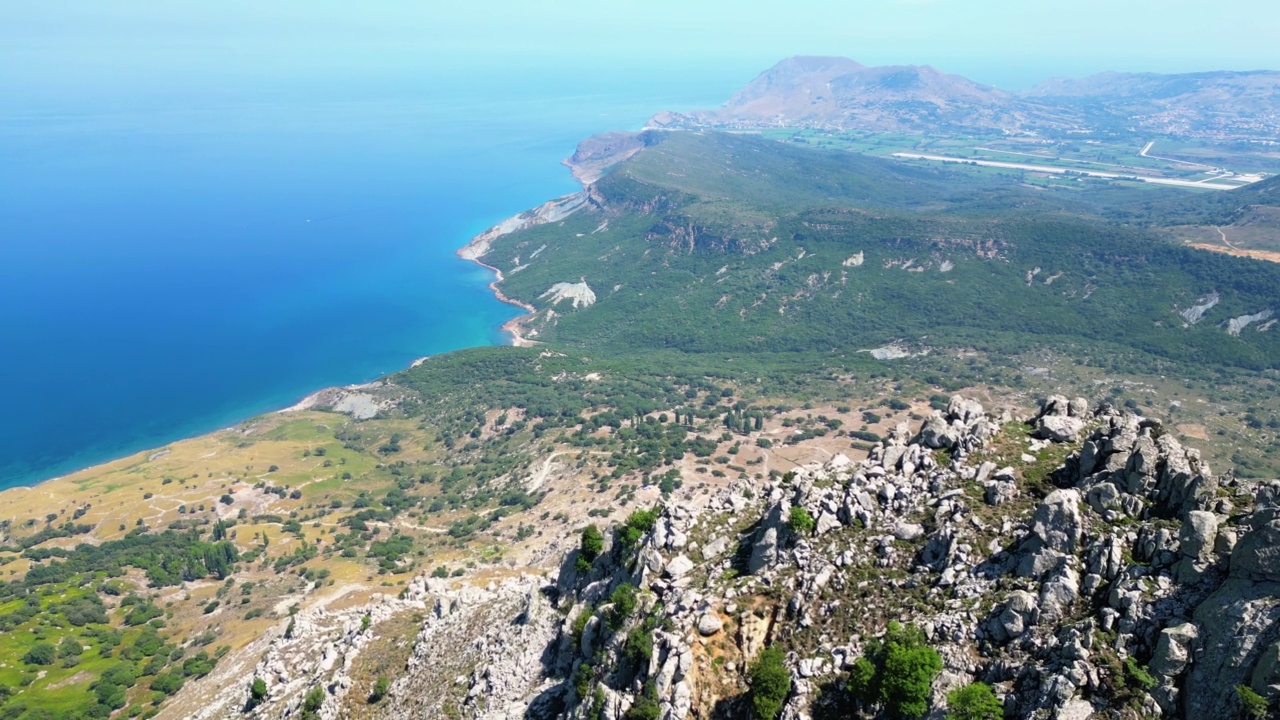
(838, 92)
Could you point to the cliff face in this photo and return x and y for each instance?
(1081, 563)
(595, 155)
(548, 212)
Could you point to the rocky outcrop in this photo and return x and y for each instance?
(579, 293)
(962, 428)
(480, 652)
(314, 648)
(1057, 589)
(1061, 420)
(548, 212)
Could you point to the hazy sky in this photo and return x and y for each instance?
(54, 47)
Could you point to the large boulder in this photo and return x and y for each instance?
(1266, 674)
(1059, 428)
(1017, 617)
(1196, 541)
(1056, 524)
(764, 552)
(1174, 650)
(1059, 593)
(1257, 554)
(709, 624)
(965, 410)
(1232, 621)
(937, 433)
(1061, 420)
(1055, 532)
(679, 566)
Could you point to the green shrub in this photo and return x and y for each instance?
(637, 524)
(646, 705)
(800, 520)
(580, 623)
(1138, 675)
(638, 647)
(69, 648)
(976, 701)
(1253, 704)
(167, 683)
(42, 653)
(863, 681)
(908, 680)
(770, 683)
(257, 692)
(314, 700)
(380, 688)
(623, 600)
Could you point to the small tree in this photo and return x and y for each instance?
(976, 701)
(258, 692)
(623, 600)
(770, 683)
(380, 688)
(897, 672)
(590, 547)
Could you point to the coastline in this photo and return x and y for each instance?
(475, 249)
(478, 246)
(513, 327)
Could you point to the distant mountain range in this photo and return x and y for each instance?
(841, 94)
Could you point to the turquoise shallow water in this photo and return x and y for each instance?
(170, 267)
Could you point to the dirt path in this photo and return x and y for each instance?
(1225, 241)
(539, 477)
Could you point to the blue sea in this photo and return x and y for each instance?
(170, 265)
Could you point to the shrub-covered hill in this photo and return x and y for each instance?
(710, 242)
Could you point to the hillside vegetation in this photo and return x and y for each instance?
(724, 243)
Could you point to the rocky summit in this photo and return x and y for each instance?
(1127, 580)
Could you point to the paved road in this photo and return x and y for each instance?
(1152, 144)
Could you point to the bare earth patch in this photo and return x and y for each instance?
(1266, 255)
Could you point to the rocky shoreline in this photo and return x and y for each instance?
(548, 212)
(513, 327)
